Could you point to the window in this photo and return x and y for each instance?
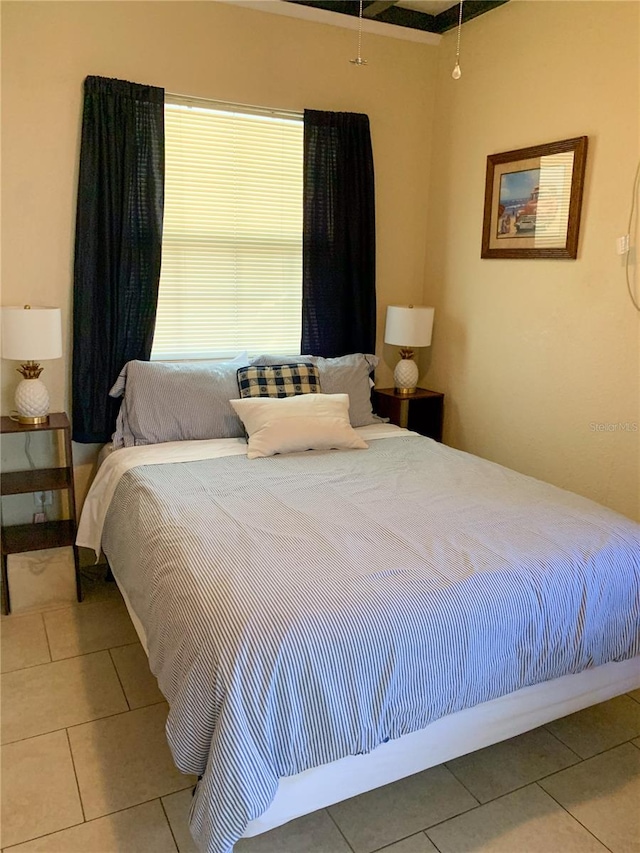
(231, 276)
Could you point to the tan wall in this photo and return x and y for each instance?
(532, 353)
(529, 353)
(210, 50)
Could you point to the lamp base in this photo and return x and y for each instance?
(26, 420)
(32, 402)
(405, 376)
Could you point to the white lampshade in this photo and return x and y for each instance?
(409, 325)
(31, 334)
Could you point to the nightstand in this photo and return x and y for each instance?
(421, 411)
(18, 538)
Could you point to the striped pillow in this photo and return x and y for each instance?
(278, 380)
(164, 401)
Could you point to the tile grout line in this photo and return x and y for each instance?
(412, 835)
(69, 657)
(73, 607)
(460, 782)
(521, 787)
(478, 805)
(595, 754)
(124, 692)
(46, 636)
(545, 726)
(86, 722)
(422, 830)
(39, 837)
(566, 745)
(142, 803)
(75, 775)
(101, 649)
(337, 826)
(378, 850)
(454, 816)
(22, 669)
(566, 811)
(38, 610)
(431, 841)
(59, 660)
(93, 819)
(166, 817)
(501, 797)
(546, 775)
(530, 782)
(557, 737)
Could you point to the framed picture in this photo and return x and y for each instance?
(532, 201)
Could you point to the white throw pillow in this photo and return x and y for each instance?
(291, 424)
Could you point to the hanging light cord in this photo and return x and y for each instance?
(457, 73)
(459, 31)
(359, 60)
(632, 214)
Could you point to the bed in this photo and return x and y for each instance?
(328, 621)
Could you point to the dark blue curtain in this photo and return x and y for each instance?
(339, 240)
(118, 244)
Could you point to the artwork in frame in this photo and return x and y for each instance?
(533, 199)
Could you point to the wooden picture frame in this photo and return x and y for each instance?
(533, 201)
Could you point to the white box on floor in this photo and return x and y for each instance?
(41, 578)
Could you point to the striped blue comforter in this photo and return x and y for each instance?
(302, 608)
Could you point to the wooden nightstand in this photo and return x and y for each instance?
(18, 538)
(422, 411)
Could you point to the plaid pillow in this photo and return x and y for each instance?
(278, 380)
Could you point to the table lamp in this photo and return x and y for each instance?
(31, 335)
(408, 326)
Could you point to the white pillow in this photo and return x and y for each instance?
(290, 424)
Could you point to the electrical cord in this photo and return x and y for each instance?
(32, 465)
(27, 449)
(632, 214)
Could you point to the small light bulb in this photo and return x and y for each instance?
(456, 73)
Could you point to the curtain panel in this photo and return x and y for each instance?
(117, 245)
(339, 242)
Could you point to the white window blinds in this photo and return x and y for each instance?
(231, 277)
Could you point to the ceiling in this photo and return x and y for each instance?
(430, 16)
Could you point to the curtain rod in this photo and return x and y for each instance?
(211, 103)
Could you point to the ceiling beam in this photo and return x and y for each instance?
(448, 19)
(378, 6)
(390, 13)
(402, 17)
(344, 7)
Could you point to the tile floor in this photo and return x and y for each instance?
(86, 768)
